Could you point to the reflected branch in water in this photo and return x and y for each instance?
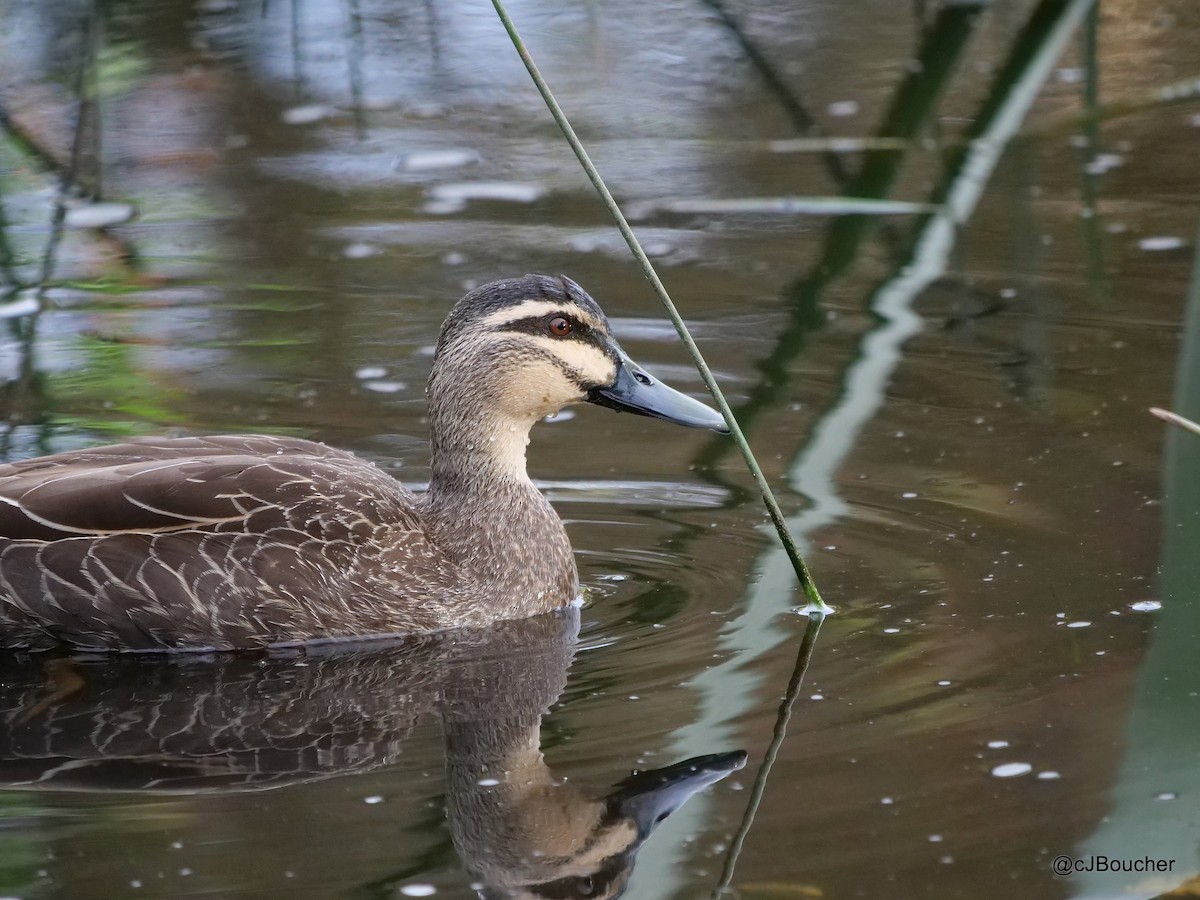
(803, 658)
(728, 688)
(802, 120)
(1016, 86)
(94, 94)
(247, 722)
(23, 399)
(8, 260)
(299, 89)
(435, 40)
(913, 105)
(354, 60)
(1090, 221)
(89, 33)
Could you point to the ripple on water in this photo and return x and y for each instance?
(445, 198)
(429, 160)
(618, 492)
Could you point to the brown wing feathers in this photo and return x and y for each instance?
(200, 541)
(193, 483)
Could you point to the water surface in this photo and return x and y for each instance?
(952, 405)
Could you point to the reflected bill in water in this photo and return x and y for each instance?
(253, 722)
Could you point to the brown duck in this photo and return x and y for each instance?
(246, 541)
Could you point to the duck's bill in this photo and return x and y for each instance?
(638, 392)
(649, 797)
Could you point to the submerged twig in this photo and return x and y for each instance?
(803, 657)
(776, 514)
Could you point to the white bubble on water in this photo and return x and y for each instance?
(1160, 243)
(1012, 770)
(418, 890)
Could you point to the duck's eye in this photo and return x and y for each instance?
(559, 326)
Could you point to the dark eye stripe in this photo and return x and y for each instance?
(580, 331)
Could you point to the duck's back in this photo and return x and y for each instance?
(225, 541)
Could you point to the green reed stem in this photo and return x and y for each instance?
(777, 518)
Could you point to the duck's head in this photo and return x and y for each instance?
(524, 348)
(566, 847)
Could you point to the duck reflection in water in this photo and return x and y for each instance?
(238, 723)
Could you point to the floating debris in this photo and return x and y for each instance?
(454, 197)
(1012, 770)
(1104, 162)
(370, 372)
(372, 800)
(306, 115)
(997, 745)
(418, 890)
(837, 144)
(26, 306)
(99, 215)
(787, 206)
(360, 250)
(385, 387)
(843, 108)
(1078, 624)
(1146, 606)
(1048, 775)
(430, 160)
(1160, 243)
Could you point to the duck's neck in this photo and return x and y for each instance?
(487, 514)
(476, 446)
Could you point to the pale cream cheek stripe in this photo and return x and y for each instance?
(588, 362)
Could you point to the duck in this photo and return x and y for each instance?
(242, 542)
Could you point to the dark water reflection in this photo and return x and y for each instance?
(952, 404)
(204, 727)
